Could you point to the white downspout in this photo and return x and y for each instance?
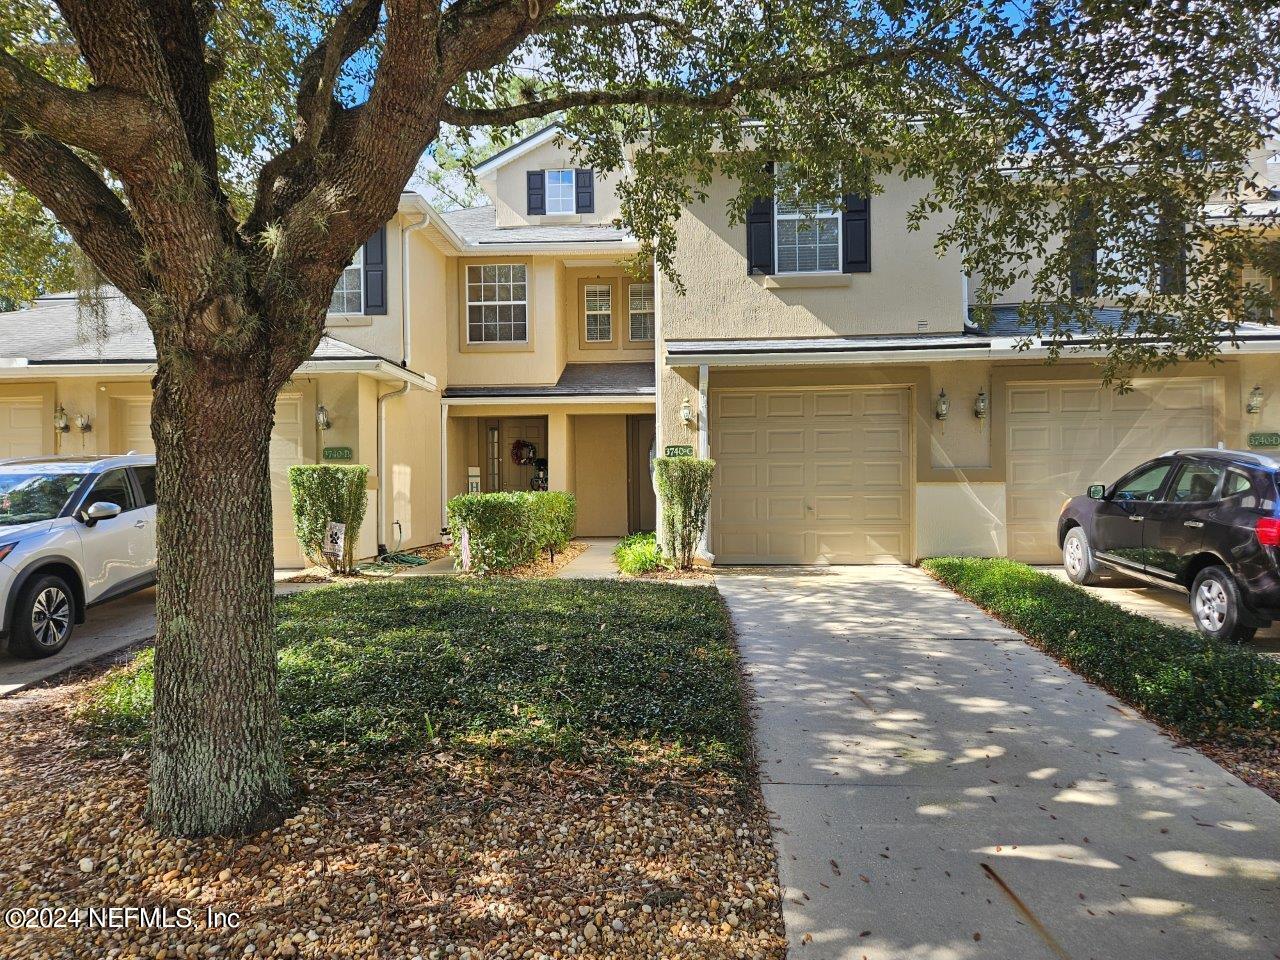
(406, 340)
(704, 450)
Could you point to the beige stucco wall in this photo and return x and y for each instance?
(622, 348)
(508, 185)
(600, 475)
(908, 283)
(379, 335)
(960, 518)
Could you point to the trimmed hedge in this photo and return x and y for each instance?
(324, 492)
(509, 529)
(638, 553)
(1177, 677)
(684, 488)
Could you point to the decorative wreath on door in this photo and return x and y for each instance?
(523, 453)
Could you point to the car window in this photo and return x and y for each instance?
(112, 487)
(1196, 482)
(1248, 490)
(146, 477)
(32, 497)
(1144, 485)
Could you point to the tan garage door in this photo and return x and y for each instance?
(811, 476)
(286, 450)
(22, 428)
(1064, 436)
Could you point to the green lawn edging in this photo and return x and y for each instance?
(628, 672)
(1194, 685)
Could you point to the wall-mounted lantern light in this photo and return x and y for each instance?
(981, 405)
(61, 422)
(943, 406)
(1254, 404)
(687, 416)
(84, 423)
(322, 418)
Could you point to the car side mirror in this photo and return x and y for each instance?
(99, 511)
(1097, 491)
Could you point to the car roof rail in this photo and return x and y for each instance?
(1241, 456)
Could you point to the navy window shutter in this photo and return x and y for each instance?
(760, 235)
(537, 192)
(856, 224)
(1084, 252)
(375, 273)
(584, 192)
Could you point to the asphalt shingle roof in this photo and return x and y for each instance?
(477, 225)
(1005, 323)
(577, 380)
(57, 329)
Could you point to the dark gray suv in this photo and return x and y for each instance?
(1203, 521)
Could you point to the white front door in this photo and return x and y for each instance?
(118, 550)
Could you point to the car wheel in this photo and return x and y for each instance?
(1218, 607)
(44, 617)
(1077, 557)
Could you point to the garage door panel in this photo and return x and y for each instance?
(22, 427)
(1060, 437)
(835, 480)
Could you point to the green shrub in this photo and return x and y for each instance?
(684, 489)
(507, 530)
(1175, 676)
(638, 553)
(325, 492)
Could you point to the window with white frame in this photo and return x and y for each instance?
(806, 237)
(1254, 276)
(497, 303)
(348, 293)
(640, 310)
(560, 197)
(598, 302)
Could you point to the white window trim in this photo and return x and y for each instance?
(573, 192)
(466, 317)
(586, 313)
(818, 212)
(652, 313)
(358, 263)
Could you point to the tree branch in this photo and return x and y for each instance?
(352, 29)
(111, 123)
(94, 216)
(558, 23)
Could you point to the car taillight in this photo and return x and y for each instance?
(1268, 530)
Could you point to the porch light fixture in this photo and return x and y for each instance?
(1254, 404)
(61, 422)
(83, 423)
(322, 418)
(943, 406)
(981, 405)
(687, 416)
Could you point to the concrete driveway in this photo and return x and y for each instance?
(942, 790)
(107, 628)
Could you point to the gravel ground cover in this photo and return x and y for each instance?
(573, 797)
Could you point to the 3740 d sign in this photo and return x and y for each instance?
(1264, 438)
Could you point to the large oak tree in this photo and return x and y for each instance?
(220, 163)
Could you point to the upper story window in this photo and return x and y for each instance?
(497, 303)
(806, 236)
(560, 196)
(348, 294)
(598, 301)
(1256, 309)
(641, 312)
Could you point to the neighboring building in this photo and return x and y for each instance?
(807, 359)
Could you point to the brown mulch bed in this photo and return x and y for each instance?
(437, 854)
(1253, 757)
(545, 566)
(697, 575)
(318, 574)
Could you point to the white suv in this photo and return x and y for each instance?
(73, 533)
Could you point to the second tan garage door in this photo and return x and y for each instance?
(1063, 436)
(811, 476)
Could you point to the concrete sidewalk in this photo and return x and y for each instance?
(944, 791)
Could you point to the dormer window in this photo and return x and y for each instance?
(560, 196)
(348, 293)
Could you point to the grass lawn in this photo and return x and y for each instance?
(1223, 697)
(495, 768)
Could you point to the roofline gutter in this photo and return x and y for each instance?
(555, 399)
(377, 368)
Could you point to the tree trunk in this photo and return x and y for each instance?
(217, 762)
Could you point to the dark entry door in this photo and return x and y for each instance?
(642, 505)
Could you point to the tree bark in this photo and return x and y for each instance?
(217, 761)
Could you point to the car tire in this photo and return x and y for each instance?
(1218, 608)
(44, 617)
(1077, 558)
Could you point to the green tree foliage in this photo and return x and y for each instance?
(684, 493)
